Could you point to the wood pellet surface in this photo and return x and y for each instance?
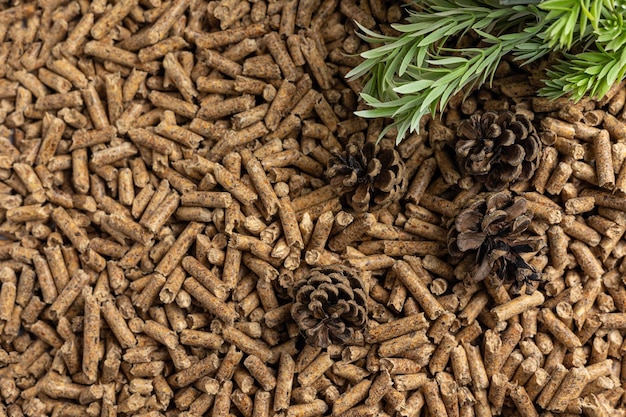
(162, 188)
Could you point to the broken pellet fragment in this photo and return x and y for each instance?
(196, 371)
(559, 330)
(278, 49)
(178, 250)
(118, 325)
(73, 232)
(415, 285)
(91, 335)
(8, 292)
(396, 328)
(587, 261)
(517, 306)
(205, 277)
(179, 77)
(604, 165)
(68, 295)
(284, 382)
(160, 333)
(209, 301)
(239, 190)
(263, 187)
(355, 231)
(572, 385)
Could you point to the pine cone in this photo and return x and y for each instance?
(330, 305)
(498, 150)
(492, 229)
(368, 177)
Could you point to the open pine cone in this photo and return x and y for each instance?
(493, 230)
(498, 150)
(330, 305)
(368, 177)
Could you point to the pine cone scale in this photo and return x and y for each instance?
(507, 138)
(469, 241)
(516, 209)
(513, 155)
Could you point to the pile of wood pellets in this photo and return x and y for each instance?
(162, 188)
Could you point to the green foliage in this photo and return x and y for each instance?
(591, 73)
(567, 18)
(419, 71)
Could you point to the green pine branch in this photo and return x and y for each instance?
(416, 73)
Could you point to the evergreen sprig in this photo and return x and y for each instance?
(591, 73)
(417, 72)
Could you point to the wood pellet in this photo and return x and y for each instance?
(162, 189)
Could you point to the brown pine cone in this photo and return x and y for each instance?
(368, 177)
(498, 150)
(492, 230)
(330, 305)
